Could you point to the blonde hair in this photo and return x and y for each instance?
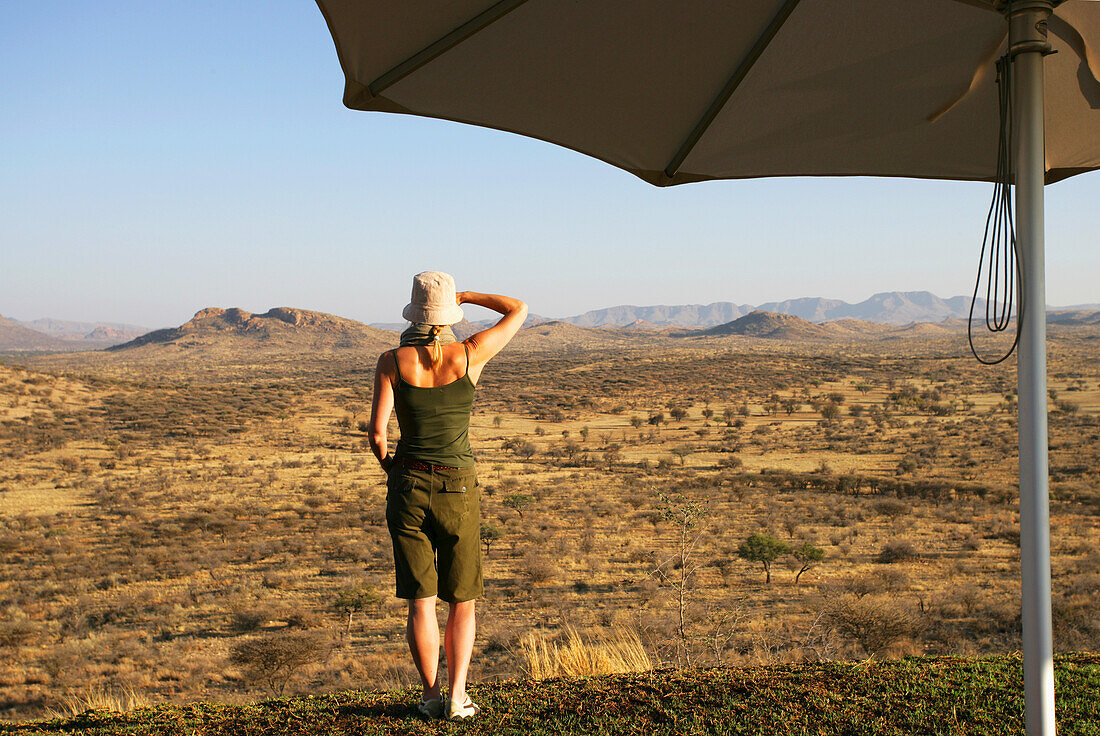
(436, 349)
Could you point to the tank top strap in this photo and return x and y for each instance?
(396, 367)
(466, 349)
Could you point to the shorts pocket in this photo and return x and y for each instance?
(464, 483)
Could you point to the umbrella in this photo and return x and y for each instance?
(678, 92)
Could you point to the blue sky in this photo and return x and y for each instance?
(158, 158)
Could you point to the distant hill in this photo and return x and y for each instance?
(281, 328)
(772, 326)
(93, 332)
(1076, 317)
(557, 334)
(14, 337)
(890, 307)
(685, 315)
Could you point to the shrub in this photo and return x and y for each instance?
(875, 623)
(899, 550)
(538, 568)
(274, 659)
(891, 507)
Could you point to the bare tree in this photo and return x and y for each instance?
(678, 571)
(274, 659)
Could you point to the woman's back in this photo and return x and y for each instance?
(434, 417)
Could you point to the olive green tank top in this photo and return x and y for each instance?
(435, 421)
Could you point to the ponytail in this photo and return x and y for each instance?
(436, 349)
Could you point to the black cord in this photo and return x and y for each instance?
(1003, 273)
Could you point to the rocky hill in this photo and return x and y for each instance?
(284, 329)
(771, 326)
(15, 338)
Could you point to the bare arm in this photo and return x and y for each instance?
(381, 407)
(487, 343)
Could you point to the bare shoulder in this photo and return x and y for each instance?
(387, 361)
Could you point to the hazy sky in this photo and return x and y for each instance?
(160, 157)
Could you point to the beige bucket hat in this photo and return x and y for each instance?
(433, 300)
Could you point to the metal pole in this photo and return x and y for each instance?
(1028, 44)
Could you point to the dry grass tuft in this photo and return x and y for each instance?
(99, 698)
(622, 651)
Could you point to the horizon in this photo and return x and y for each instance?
(202, 156)
(480, 314)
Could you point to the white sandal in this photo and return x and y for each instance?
(432, 708)
(461, 712)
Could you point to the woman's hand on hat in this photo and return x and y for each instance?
(460, 297)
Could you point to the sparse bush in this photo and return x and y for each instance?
(272, 660)
(899, 550)
(874, 622)
(538, 568)
(891, 508)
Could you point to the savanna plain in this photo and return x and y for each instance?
(209, 524)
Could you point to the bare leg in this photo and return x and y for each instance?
(459, 644)
(422, 632)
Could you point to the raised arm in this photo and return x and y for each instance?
(487, 343)
(381, 407)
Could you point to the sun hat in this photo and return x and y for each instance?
(433, 300)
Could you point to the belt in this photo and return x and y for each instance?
(421, 465)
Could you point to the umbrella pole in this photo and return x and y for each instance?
(1028, 44)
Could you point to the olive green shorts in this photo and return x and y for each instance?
(434, 517)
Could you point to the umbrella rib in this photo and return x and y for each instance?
(444, 44)
(731, 86)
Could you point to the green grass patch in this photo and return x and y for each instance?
(916, 695)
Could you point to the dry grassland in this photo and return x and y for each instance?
(155, 518)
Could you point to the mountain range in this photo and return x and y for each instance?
(918, 313)
(890, 307)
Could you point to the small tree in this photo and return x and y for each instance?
(678, 413)
(765, 549)
(518, 502)
(678, 572)
(490, 533)
(274, 659)
(807, 555)
(353, 599)
(681, 452)
(791, 405)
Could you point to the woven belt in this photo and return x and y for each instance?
(421, 465)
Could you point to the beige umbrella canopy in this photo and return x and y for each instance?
(677, 92)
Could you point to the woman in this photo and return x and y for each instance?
(432, 500)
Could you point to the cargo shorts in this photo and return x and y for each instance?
(434, 518)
